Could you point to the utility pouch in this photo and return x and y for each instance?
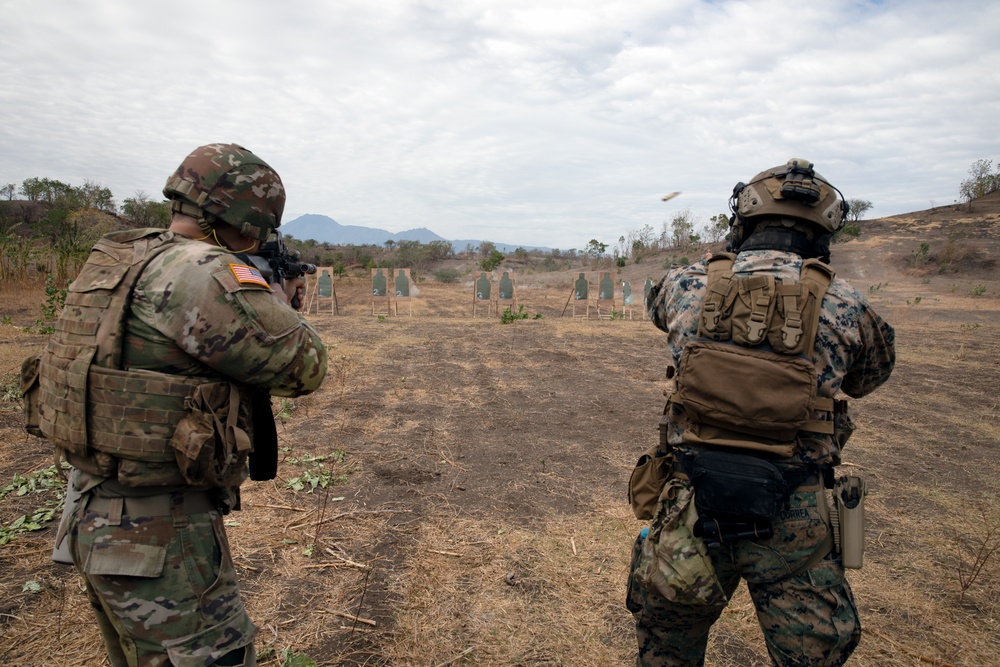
(709, 396)
(848, 518)
(29, 394)
(737, 486)
(209, 446)
(647, 480)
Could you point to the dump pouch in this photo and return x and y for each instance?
(709, 394)
(647, 480)
(673, 562)
(737, 486)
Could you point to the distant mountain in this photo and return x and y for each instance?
(327, 230)
(324, 229)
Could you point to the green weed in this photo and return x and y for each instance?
(10, 388)
(39, 482)
(315, 474)
(921, 255)
(508, 316)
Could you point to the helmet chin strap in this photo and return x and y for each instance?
(225, 246)
(207, 225)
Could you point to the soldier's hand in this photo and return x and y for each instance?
(293, 292)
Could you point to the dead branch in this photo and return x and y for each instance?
(342, 515)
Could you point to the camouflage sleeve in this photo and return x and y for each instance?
(874, 364)
(674, 304)
(206, 307)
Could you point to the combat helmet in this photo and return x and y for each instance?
(229, 183)
(790, 194)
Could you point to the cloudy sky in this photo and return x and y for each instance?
(520, 121)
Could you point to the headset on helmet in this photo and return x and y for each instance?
(229, 183)
(793, 190)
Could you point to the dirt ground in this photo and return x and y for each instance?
(475, 510)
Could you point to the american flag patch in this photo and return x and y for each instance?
(247, 274)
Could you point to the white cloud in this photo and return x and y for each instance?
(533, 122)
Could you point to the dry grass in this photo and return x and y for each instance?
(481, 517)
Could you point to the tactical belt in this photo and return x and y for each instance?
(194, 502)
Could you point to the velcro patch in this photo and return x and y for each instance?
(247, 275)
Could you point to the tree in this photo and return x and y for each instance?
(595, 248)
(493, 261)
(982, 181)
(487, 248)
(857, 208)
(8, 191)
(718, 228)
(646, 236)
(142, 211)
(95, 195)
(438, 250)
(681, 228)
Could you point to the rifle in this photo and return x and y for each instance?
(278, 263)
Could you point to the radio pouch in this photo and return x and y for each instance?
(737, 485)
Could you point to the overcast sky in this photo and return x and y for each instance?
(518, 121)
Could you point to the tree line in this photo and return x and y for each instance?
(47, 227)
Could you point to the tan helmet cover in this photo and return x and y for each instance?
(792, 190)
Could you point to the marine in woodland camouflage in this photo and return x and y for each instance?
(808, 617)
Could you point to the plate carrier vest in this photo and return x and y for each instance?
(119, 423)
(748, 380)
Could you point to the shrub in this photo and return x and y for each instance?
(447, 275)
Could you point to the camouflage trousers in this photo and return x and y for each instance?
(161, 581)
(808, 617)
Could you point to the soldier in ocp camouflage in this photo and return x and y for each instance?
(148, 537)
(803, 602)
